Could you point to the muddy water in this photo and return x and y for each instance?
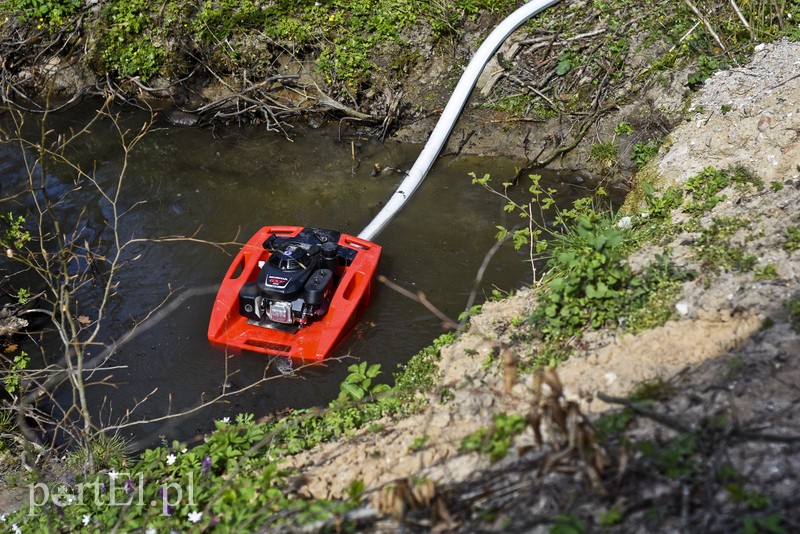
(221, 186)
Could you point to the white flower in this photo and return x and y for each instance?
(150, 530)
(16, 529)
(86, 519)
(624, 222)
(226, 419)
(184, 450)
(194, 517)
(170, 459)
(113, 474)
(3, 517)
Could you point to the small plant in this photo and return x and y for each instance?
(568, 524)
(623, 128)
(792, 236)
(676, 459)
(660, 207)
(644, 152)
(14, 235)
(496, 440)
(421, 374)
(703, 191)
(793, 307)
(610, 517)
(653, 390)
(107, 453)
(716, 251)
(766, 272)
(12, 379)
(418, 443)
(466, 314)
(743, 180)
(23, 295)
(613, 424)
(706, 66)
(358, 383)
(755, 524)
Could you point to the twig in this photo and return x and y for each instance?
(481, 271)
(419, 296)
(647, 412)
(707, 24)
(744, 20)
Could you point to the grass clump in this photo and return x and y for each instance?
(605, 153)
(108, 452)
(591, 285)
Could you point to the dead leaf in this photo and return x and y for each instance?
(84, 320)
(11, 348)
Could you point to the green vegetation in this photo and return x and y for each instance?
(232, 481)
(589, 284)
(703, 191)
(792, 242)
(46, 13)
(766, 272)
(716, 250)
(793, 307)
(14, 235)
(149, 38)
(235, 474)
(496, 440)
(605, 153)
(356, 43)
(676, 459)
(644, 152)
(653, 390)
(705, 67)
(108, 452)
(13, 373)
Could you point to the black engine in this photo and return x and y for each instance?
(297, 282)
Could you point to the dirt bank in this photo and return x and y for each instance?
(730, 358)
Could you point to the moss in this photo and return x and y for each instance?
(635, 200)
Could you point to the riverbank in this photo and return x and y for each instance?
(554, 96)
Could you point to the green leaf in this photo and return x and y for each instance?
(355, 392)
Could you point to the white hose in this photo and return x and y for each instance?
(451, 113)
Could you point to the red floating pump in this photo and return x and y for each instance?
(294, 291)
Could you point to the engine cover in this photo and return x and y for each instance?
(296, 283)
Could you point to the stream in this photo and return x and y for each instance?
(220, 186)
